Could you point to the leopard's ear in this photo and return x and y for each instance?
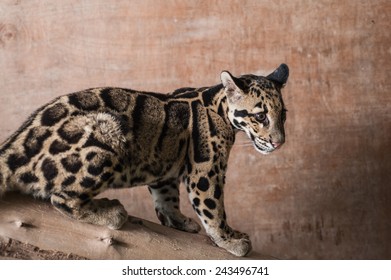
(280, 75)
(232, 86)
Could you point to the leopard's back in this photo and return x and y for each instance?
(105, 134)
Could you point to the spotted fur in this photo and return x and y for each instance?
(80, 144)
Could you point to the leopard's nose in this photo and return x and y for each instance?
(276, 145)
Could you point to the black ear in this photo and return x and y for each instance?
(280, 75)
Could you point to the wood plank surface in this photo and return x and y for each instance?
(37, 223)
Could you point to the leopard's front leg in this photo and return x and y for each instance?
(207, 198)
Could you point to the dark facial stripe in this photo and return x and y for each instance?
(241, 113)
(259, 105)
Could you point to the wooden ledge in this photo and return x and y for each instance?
(40, 228)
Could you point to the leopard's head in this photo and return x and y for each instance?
(255, 106)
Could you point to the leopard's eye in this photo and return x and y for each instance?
(261, 117)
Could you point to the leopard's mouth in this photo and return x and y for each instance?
(261, 147)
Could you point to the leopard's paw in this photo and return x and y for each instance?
(191, 226)
(238, 245)
(178, 221)
(110, 213)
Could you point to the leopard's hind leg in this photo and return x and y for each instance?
(75, 196)
(105, 212)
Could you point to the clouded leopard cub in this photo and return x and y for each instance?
(80, 144)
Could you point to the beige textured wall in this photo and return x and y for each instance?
(327, 192)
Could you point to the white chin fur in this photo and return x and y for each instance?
(262, 151)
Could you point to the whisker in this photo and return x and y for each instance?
(244, 145)
(243, 142)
